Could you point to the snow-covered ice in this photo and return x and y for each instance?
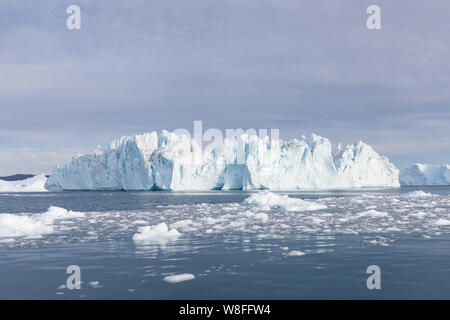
(174, 162)
(33, 226)
(440, 222)
(372, 214)
(33, 184)
(155, 234)
(12, 225)
(266, 200)
(179, 278)
(295, 253)
(425, 174)
(418, 193)
(95, 284)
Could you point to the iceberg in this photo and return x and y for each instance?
(34, 184)
(425, 174)
(168, 161)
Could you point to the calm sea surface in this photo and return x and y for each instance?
(234, 250)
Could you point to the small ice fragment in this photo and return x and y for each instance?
(266, 200)
(440, 222)
(95, 284)
(139, 222)
(295, 253)
(179, 278)
(159, 234)
(372, 214)
(417, 194)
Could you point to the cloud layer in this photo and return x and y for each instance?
(300, 66)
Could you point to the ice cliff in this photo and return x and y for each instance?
(425, 174)
(167, 161)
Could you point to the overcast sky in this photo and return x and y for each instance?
(300, 66)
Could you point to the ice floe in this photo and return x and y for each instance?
(13, 225)
(295, 253)
(155, 234)
(440, 222)
(372, 214)
(266, 200)
(179, 278)
(417, 193)
(33, 226)
(95, 284)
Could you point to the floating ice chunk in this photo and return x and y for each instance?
(440, 222)
(316, 220)
(33, 226)
(379, 242)
(182, 223)
(257, 216)
(13, 225)
(372, 214)
(209, 220)
(419, 214)
(179, 278)
(267, 199)
(158, 234)
(139, 222)
(417, 194)
(357, 200)
(57, 213)
(295, 253)
(95, 284)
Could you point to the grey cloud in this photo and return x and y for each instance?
(300, 66)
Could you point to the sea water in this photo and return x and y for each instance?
(230, 248)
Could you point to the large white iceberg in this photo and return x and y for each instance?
(425, 174)
(165, 161)
(34, 184)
